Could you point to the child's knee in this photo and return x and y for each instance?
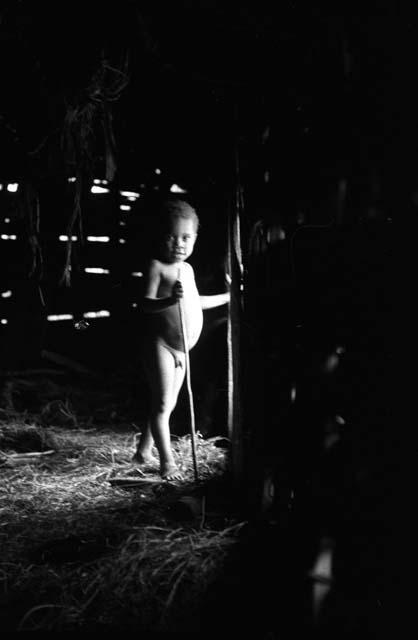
(161, 406)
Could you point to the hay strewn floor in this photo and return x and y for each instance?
(79, 552)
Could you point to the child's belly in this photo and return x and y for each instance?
(167, 324)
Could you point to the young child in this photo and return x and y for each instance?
(168, 280)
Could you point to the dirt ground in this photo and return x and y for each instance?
(87, 540)
(89, 543)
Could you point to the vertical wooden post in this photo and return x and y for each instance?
(233, 336)
(192, 427)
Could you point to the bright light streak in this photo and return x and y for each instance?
(175, 188)
(1, 187)
(132, 198)
(98, 238)
(125, 207)
(129, 194)
(3, 321)
(134, 305)
(65, 238)
(6, 294)
(122, 241)
(322, 574)
(293, 394)
(4, 236)
(323, 564)
(158, 172)
(122, 223)
(96, 314)
(12, 187)
(137, 274)
(72, 179)
(7, 220)
(96, 270)
(62, 316)
(98, 181)
(97, 189)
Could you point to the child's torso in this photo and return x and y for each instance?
(167, 323)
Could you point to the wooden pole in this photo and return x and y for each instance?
(233, 339)
(192, 428)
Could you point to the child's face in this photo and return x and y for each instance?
(179, 241)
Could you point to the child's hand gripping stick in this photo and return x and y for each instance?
(178, 290)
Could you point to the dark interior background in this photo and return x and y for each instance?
(312, 112)
(318, 106)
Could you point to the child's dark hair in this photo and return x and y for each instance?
(173, 209)
(155, 213)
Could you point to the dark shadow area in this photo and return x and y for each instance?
(299, 125)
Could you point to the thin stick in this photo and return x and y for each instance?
(189, 386)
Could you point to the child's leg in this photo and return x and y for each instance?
(168, 467)
(165, 380)
(143, 455)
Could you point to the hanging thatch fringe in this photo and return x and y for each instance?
(75, 217)
(79, 140)
(110, 144)
(30, 212)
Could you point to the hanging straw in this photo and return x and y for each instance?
(189, 386)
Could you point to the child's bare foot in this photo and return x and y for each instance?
(144, 460)
(170, 471)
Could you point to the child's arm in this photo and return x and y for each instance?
(209, 302)
(150, 302)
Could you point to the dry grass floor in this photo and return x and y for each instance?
(81, 552)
